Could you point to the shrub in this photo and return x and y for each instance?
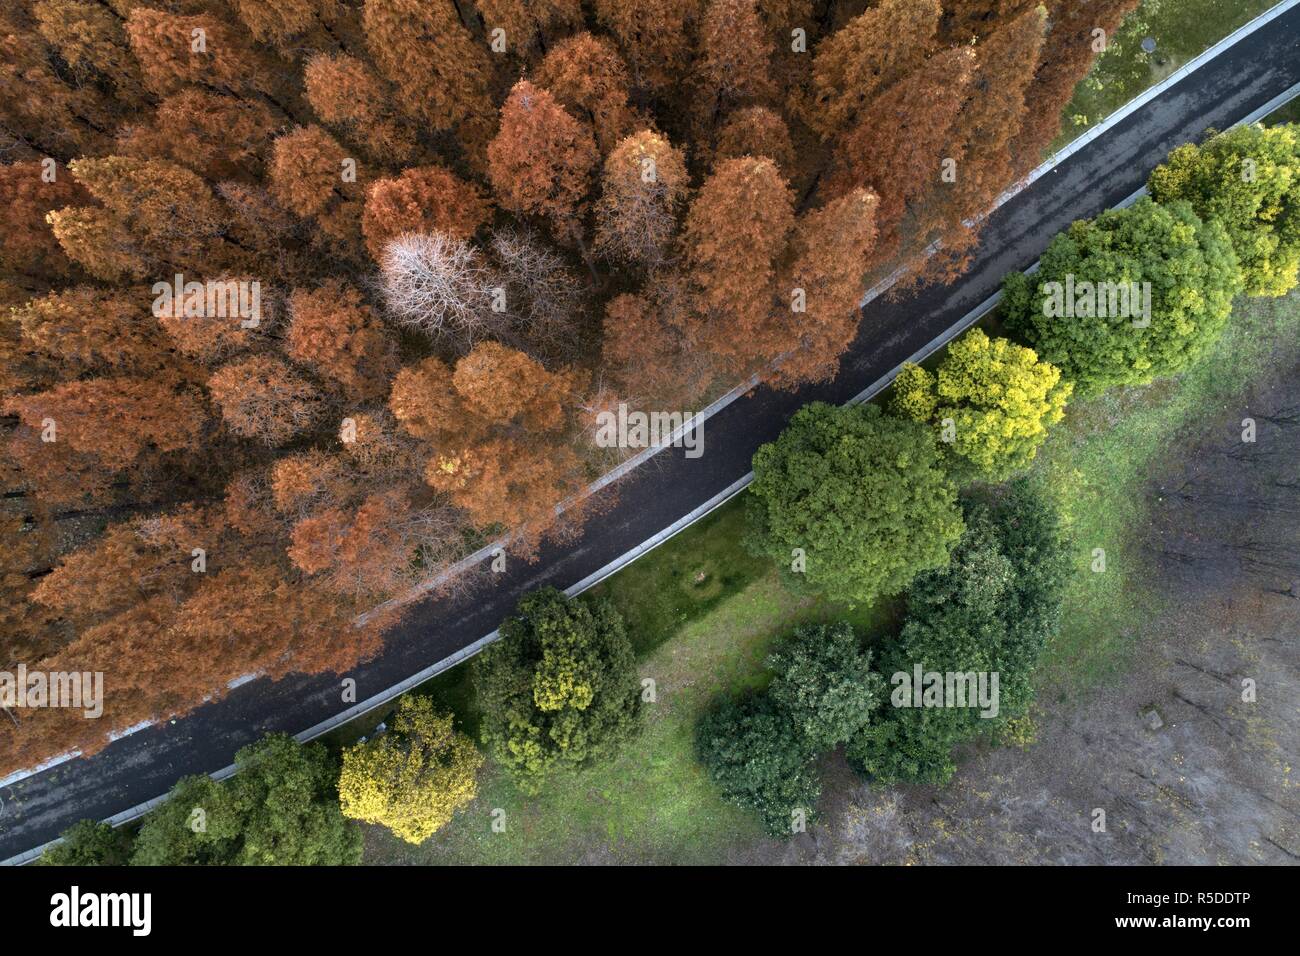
(824, 683)
(759, 760)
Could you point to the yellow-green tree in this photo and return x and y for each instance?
(991, 402)
(1249, 179)
(414, 778)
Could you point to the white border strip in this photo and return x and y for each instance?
(717, 405)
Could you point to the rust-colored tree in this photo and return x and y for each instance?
(284, 23)
(94, 330)
(756, 131)
(219, 137)
(262, 398)
(1067, 56)
(510, 482)
(655, 37)
(865, 56)
(897, 149)
(307, 482)
(644, 183)
(155, 218)
(504, 386)
(41, 112)
(993, 115)
(964, 20)
(92, 44)
(588, 77)
(313, 175)
(529, 25)
(333, 331)
(828, 260)
(347, 94)
(425, 403)
(541, 160)
(27, 194)
(422, 199)
(645, 349)
(736, 230)
(423, 48)
(115, 419)
(735, 63)
(176, 50)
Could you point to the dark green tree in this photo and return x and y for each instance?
(991, 610)
(760, 761)
(824, 682)
(855, 499)
(559, 689)
(90, 843)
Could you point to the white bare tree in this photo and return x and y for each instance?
(439, 285)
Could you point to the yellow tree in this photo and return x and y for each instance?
(990, 401)
(414, 778)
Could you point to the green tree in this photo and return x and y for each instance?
(990, 401)
(1087, 310)
(760, 761)
(414, 778)
(823, 681)
(559, 689)
(89, 843)
(855, 499)
(991, 610)
(280, 808)
(1249, 179)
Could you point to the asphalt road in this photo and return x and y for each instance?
(145, 764)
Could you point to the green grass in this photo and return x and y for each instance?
(689, 575)
(1290, 113)
(1098, 463)
(1182, 29)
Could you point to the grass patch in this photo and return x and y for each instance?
(684, 578)
(1182, 29)
(1290, 113)
(1099, 461)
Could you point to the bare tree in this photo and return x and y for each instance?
(439, 285)
(543, 296)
